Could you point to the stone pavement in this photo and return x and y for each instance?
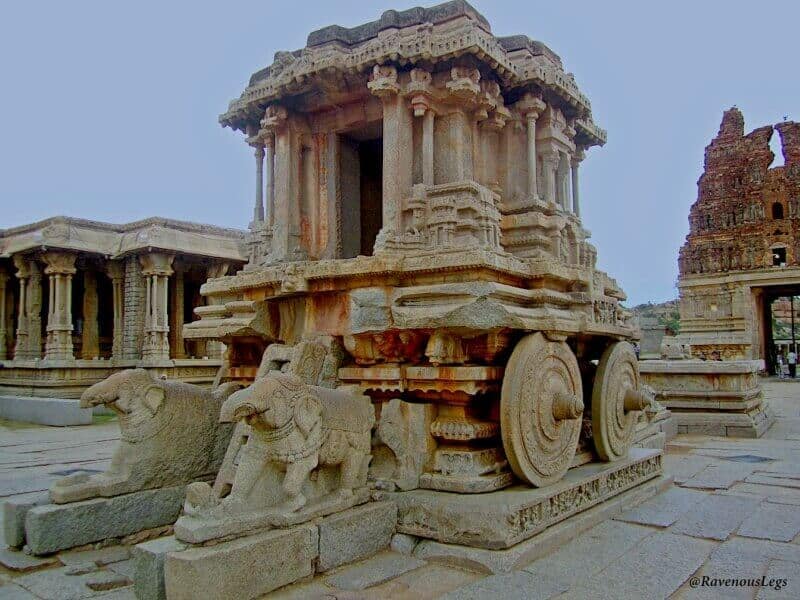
(733, 513)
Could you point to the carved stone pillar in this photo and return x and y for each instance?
(177, 349)
(269, 147)
(3, 332)
(156, 269)
(258, 209)
(576, 161)
(90, 338)
(60, 269)
(286, 221)
(116, 272)
(23, 274)
(550, 162)
(427, 147)
(531, 107)
(397, 150)
(213, 348)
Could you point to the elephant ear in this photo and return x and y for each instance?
(307, 413)
(153, 398)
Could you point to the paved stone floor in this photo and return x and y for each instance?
(733, 513)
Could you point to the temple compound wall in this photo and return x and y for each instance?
(81, 299)
(743, 249)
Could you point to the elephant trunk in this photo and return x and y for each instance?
(97, 395)
(239, 405)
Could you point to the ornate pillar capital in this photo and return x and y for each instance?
(383, 81)
(531, 106)
(156, 263)
(59, 263)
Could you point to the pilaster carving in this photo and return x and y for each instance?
(60, 270)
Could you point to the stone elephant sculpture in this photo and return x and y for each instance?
(170, 435)
(298, 428)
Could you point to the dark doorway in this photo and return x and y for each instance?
(781, 323)
(361, 181)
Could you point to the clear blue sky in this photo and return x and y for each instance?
(109, 109)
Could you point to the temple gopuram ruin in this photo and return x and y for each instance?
(740, 259)
(81, 299)
(420, 349)
(743, 248)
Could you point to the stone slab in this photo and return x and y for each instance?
(716, 516)
(425, 583)
(11, 591)
(56, 412)
(777, 522)
(17, 560)
(148, 566)
(781, 579)
(664, 509)
(403, 543)
(728, 564)
(509, 586)
(587, 554)
(99, 557)
(14, 511)
(501, 519)
(543, 544)
(373, 571)
(56, 584)
(55, 527)
(719, 476)
(355, 534)
(242, 568)
(655, 568)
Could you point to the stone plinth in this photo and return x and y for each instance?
(501, 519)
(53, 527)
(711, 397)
(250, 566)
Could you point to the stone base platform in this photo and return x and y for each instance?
(57, 412)
(507, 517)
(248, 567)
(49, 528)
(721, 398)
(546, 542)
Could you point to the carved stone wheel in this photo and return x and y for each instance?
(541, 404)
(616, 401)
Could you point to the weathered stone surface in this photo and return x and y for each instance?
(541, 545)
(14, 511)
(664, 509)
(511, 586)
(780, 579)
(11, 591)
(373, 571)
(716, 516)
(242, 568)
(56, 412)
(54, 527)
(99, 557)
(426, 583)
(355, 534)
(777, 522)
(106, 580)
(17, 560)
(719, 476)
(590, 553)
(148, 566)
(56, 584)
(515, 514)
(402, 543)
(655, 569)
(728, 563)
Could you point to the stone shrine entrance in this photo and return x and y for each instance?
(361, 177)
(780, 307)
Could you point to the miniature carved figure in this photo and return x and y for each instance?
(169, 435)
